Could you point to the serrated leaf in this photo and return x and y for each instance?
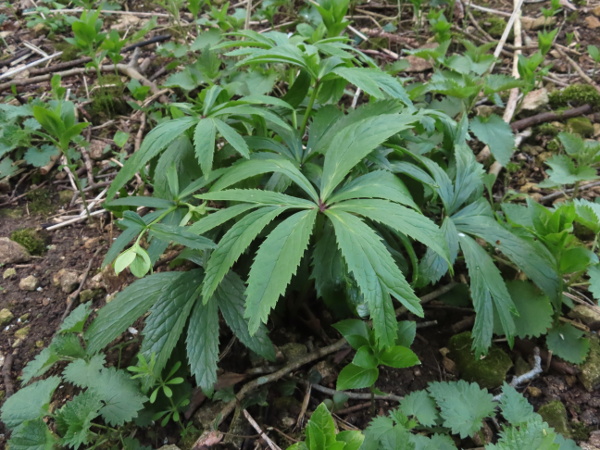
(168, 317)
(127, 306)
(534, 309)
(154, 142)
(29, 403)
(400, 219)
(420, 405)
(375, 272)
(74, 419)
(534, 434)
(219, 217)
(202, 344)
(181, 235)
(39, 365)
(489, 294)
(495, 133)
(40, 156)
(233, 244)
(354, 143)
(232, 137)
(433, 266)
(75, 321)
(275, 263)
(231, 299)
(463, 406)
(120, 394)
(563, 171)
(568, 343)
(360, 77)
(32, 435)
(355, 377)
(354, 331)
(594, 287)
(515, 408)
(204, 143)
(67, 346)
(377, 184)
(365, 358)
(83, 373)
(258, 196)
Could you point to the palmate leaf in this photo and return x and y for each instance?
(258, 196)
(155, 141)
(205, 135)
(231, 298)
(202, 344)
(355, 142)
(400, 219)
(233, 244)
(433, 266)
(233, 137)
(274, 265)
(168, 317)
(375, 272)
(489, 294)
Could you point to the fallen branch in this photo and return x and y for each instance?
(272, 445)
(549, 117)
(9, 388)
(355, 395)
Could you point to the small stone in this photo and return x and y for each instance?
(555, 414)
(9, 273)
(589, 374)
(596, 11)
(68, 280)
(416, 64)
(5, 316)
(535, 99)
(29, 283)
(96, 149)
(534, 392)
(22, 332)
(538, 23)
(592, 22)
(39, 344)
(11, 252)
(89, 294)
(587, 314)
(92, 243)
(24, 317)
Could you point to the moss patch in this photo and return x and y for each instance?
(108, 100)
(34, 241)
(575, 95)
(555, 414)
(40, 201)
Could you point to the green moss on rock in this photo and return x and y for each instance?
(575, 95)
(555, 414)
(32, 240)
(489, 371)
(40, 201)
(589, 374)
(581, 126)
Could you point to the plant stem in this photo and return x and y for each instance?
(309, 107)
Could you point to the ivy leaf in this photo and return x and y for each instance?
(463, 406)
(32, 435)
(120, 395)
(127, 306)
(231, 298)
(568, 343)
(274, 265)
(489, 294)
(168, 317)
(421, 406)
(202, 343)
(74, 420)
(495, 133)
(355, 377)
(29, 403)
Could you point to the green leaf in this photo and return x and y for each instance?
(433, 266)
(39, 365)
(400, 219)
(420, 405)
(67, 346)
(258, 196)
(29, 403)
(32, 435)
(399, 357)
(365, 358)
(84, 373)
(233, 137)
(563, 171)
(489, 294)
(274, 265)
(534, 309)
(75, 321)
(594, 287)
(375, 272)
(181, 235)
(568, 343)
(495, 133)
(120, 138)
(219, 217)
(127, 306)
(320, 430)
(354, 331)
(377, 184)
(204, 143)
(202, 343)
(515, 408)
(168, 317)
(233, 244)
(154, 142)
(354, 377)
(120, 394)
(360, 77)
(247, 169)
(231, 298)
(74, 419)
(355, 142)
(463, 405)
(40, 156)
(150, 202)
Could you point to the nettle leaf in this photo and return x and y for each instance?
(75, 321)
(120, 395)
(202, 344)
(29, 403)
(375, 272)
(515, 408)
(156, 141)
(495, 133)
(231, 298)
(74, 419)
(420, 405)
(168, 317)
(355, 142)
(355, 377)
(533, 434)
(233, 244)
(40, 364)
(84, 373)
(127, 306)
(568, 343)
(274, 265)
(463, 406)
(534, 309)
(32, 435)
(489, 294)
